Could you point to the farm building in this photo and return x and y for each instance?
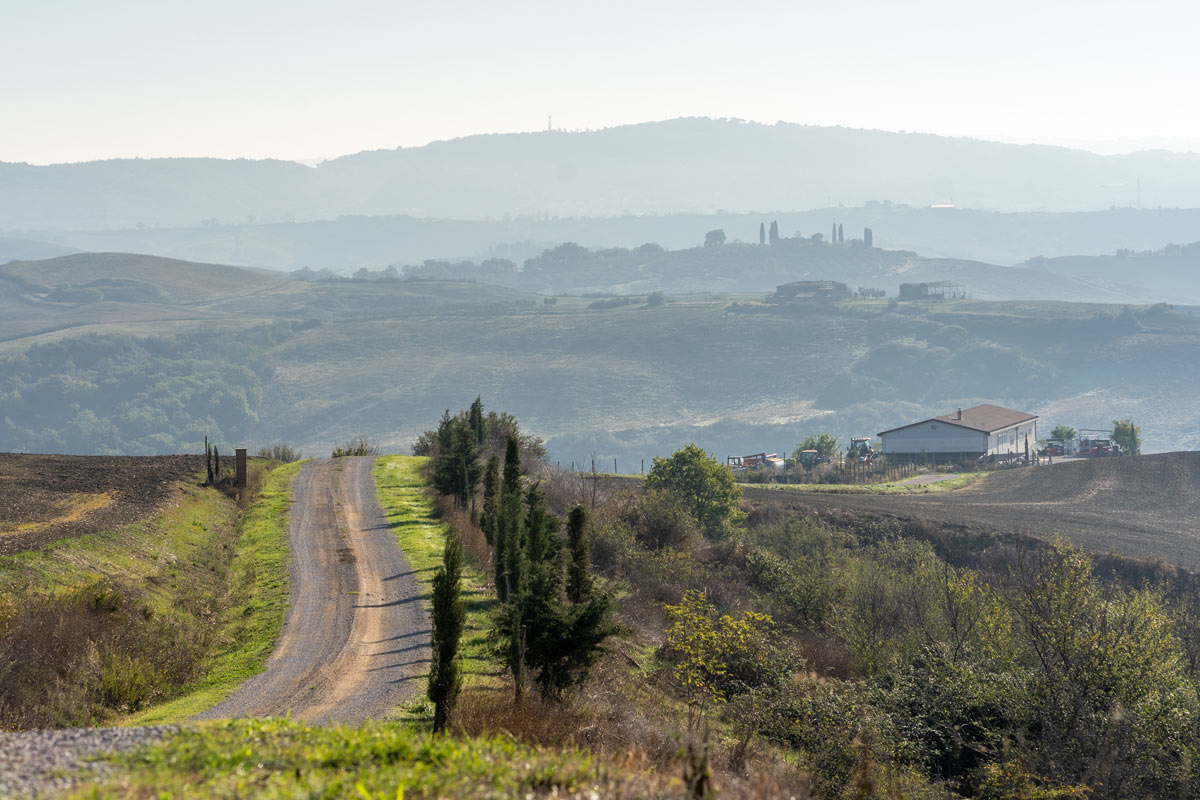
(935, 290)
(965, 434)
(812, 290)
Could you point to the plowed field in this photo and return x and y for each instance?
(1137, 506)
(48, 497)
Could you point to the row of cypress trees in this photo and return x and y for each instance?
(552, 620)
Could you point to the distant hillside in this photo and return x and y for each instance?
(314, 363)
(140, 277)
(1175, 269)
(353, 242)
(21, 249)
(689, 165)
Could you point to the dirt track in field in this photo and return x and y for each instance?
(356, 640)
(1138, 506)
(39, 493)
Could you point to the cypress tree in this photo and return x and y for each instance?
(476, 421)
(841, 235)
(208, 470)
(833, 234)
(506, 550)
(868, 237)
(449, 613)
(217, 462)
(579, 579)
(774, 232)
(762, 233)
(491, 490)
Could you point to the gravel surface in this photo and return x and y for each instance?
(356, 640)
(36, 763)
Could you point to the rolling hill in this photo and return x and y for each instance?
(315, 363)
(694, 165)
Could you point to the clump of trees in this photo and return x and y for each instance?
(1128, 436)
(704, 486)
(1063, 433)
(552, 620)
(825, 444)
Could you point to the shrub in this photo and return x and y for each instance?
(359, 447)
(662, 519)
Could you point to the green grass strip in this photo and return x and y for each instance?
(253, 618)
(275, 758)
(402, 493)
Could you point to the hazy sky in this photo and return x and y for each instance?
(256, 78)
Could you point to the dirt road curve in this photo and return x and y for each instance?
(1138, 506)
(356, 640)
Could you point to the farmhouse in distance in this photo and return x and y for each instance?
(983, 430)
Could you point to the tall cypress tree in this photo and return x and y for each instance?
(833, 234)
(579, 578)
(774, 232)
(841, 235)
(762, 233)
(507, 553)
(208, 462)
(449, 614)
(491, 504)
(476, 420)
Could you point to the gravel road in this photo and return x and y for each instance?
(356, 640)
(36, 763)
(354, 646)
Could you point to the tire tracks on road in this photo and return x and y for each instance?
(356, 640)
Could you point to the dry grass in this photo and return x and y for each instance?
(474, 543)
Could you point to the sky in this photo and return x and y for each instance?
(308, 80)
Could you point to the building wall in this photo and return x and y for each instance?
(935, 437)
(1012, 440)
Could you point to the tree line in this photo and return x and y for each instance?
(552, 619)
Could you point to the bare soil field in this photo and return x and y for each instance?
(49, 497)
(1141, 506)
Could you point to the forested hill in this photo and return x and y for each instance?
(683, 165)
(155, 357)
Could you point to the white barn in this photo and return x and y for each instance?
(968, 433)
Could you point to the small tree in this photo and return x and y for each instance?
(208, 467)
(714, 238)
(1128, 436)
(826, 446)
(705, 486)
(1063, 432)
(476, 422)
(449, 613)
(579, 578)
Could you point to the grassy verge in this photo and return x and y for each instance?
(957, 482)
(401, 490)
(254, 611)
(279, 758)
(96, 626)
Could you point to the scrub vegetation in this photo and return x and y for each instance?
(114, 623)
